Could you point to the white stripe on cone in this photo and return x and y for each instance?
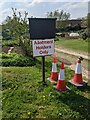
(61, 75)
(78, 69)
(54, 67)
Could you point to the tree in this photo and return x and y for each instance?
(86, 24)
(60, 15)
(62, 18)
(17, 25)
(17, 30)
(85, 21)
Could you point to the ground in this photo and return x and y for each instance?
(69, 51)
(70, 59)
(25, 95)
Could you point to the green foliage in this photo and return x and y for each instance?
(84, 36)
(14, 59)
(56, 39)
(62, 18)
(85, 20)
(15, 27)
(9, 43)
(60, 15)
(6, 33)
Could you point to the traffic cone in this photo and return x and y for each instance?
(78, 81)
(61, 85)
(54, 74)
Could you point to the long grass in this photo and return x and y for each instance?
(25, 95)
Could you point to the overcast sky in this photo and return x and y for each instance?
(39, 8)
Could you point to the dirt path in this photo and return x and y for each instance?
(15, 49)
(70, 60)
(73, 53)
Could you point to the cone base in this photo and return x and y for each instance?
(78, 78)
(78, 84)
(61, 85)
(54, 76)
(52, 81)
(67, 88)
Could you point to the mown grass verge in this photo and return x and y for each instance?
(25, 96)
(73, 44)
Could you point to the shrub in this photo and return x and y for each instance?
(9, 43)
(56, 39)
(14, 59)
(84, 36)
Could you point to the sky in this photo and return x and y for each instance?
(39, 8)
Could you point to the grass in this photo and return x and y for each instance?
(25, 96)
(73, 44)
